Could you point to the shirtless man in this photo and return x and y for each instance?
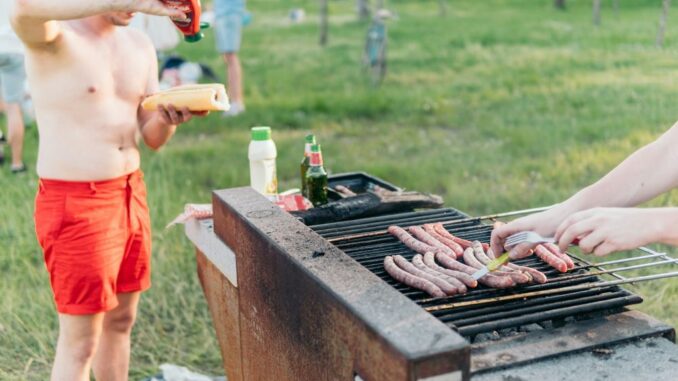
(88, 77)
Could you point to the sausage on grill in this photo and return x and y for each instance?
(458, 250)
(453, 264)
(418, 262)
(429, 260)
(408, 279)
(409, 241)
(517, 277)
(489, 280)
(536, 275)
(465, 244)
(556, 250)
(423, 236)
(412, 269)
(547, 256)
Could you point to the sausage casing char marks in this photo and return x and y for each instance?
(428, 239)
(418, 262)
(465, 244)
(552, 259)
(537, 276)
(429, 260)
(411, 280)
(457, 248)
(403, 236)
(412, 269)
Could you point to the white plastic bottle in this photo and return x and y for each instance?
(262, 154)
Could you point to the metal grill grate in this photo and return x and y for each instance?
(565, 295)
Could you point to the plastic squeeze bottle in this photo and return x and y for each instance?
(262, 154)
(191, 26)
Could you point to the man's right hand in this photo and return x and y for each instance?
(152, 7)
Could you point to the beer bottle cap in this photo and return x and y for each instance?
(315, 148)
(261, 133)
(310, 139)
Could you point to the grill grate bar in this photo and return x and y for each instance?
(609, 304)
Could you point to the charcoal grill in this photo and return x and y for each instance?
(314, 303)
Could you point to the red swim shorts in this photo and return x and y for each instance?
(96, 239)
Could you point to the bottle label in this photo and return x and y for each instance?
(307, 149)
(316, 159)
(263, 176)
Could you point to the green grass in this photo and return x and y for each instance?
(498, 106)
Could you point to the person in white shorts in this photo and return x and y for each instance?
(12, 85)
(228, 23)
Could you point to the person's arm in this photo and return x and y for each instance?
(35, 21)
(646, 173)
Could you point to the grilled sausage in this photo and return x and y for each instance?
(429, 260)
(465, 244)
(536, 275)
(409, 241)
(412, 269)
(418, 262)
(423, 236)
(547, 256)
(480, 255)
(458, 250)
(453, 264)
(489, 280)
(408, 279)
(556, 250)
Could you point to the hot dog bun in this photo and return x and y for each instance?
(203, 97)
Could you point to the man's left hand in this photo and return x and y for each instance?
(173, 116)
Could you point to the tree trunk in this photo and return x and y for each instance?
(363, 9)
(596, 12)
(662, 23)
(559, 4)
(442, 7)
(323, 22)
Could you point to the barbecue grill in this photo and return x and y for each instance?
(314, 303)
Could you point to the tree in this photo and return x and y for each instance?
(559, 4)
(596, 12)
(363, 9)
(662, 22)
(323, 22)
(442, 7)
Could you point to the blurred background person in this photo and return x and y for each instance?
(228, 23)
(12, 86)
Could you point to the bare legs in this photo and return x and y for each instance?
(235, 78)
(100, 341)
(15, 133)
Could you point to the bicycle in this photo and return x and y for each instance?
(376, 42)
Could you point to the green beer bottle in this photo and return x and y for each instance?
(306, 162)
(316, 178)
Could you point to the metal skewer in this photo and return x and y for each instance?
(454, 222)
(526, 295)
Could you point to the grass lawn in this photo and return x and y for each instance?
(499, 105)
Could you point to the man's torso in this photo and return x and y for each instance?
(86, 93)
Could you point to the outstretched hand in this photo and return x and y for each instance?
(154, 7)
(172, 115)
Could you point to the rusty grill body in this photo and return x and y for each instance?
(311, 306)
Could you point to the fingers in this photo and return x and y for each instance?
(579, 230)
(591, 242)
(521, 250)
(155, 7)
(171, 115)
(603, 249)
(499, 235)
